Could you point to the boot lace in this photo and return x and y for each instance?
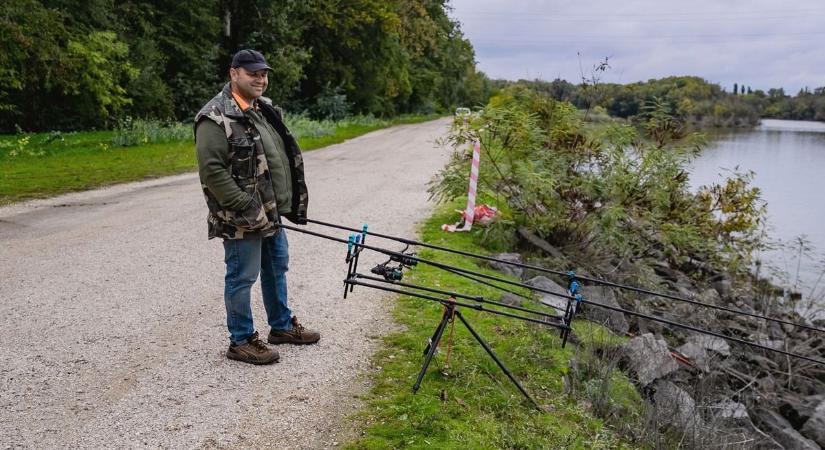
(258, 344)
(297, 328)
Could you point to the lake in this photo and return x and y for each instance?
(788, 158)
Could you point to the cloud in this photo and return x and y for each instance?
(761, 43)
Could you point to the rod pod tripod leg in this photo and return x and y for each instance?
(432, 345)
(450, 310)
(495, 358)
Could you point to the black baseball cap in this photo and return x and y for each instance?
(251, 60)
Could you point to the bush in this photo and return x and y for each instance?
(617, 193)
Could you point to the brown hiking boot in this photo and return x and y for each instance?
(297, 335)
(253, 352)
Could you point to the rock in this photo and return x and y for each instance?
(697, 354)
(613, 320)
(647, 326)
(684, 290)
(662, 268)
(510, 299)
(677, 408)
(557, 303)
(709, 296)
(547, 284)
(724, 287)
(648, 358)
(781, 430)
(730, 412)
(711, 343)
(814, 427)
(507, 269)
(799, 409)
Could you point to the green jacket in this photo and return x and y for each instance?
(238, 185)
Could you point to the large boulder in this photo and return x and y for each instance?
(782, 431)
(814, 427)
(557, 303)
(701, 349)
(648, 358)
(507, 269)
(712, 343)
(510, 299)
(613, 320)
(677, 409)
(697, 354)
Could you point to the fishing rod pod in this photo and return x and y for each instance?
(582, 278)
(392, 275)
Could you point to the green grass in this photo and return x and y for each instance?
(48, 164)
(471, 404)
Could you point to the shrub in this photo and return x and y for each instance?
(621, 192)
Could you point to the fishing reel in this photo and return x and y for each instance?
(388, 272)
(394, 273)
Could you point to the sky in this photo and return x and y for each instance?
(759, 43)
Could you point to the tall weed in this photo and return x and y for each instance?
(131, 132)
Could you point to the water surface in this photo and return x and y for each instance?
(788, 158)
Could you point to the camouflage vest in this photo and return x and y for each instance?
(250, 171)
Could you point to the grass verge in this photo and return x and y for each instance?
(470, 403)
(47, 164)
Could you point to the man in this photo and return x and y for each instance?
(251, 171)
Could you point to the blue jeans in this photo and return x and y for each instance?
(245, 259)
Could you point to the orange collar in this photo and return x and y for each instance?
(243, 104)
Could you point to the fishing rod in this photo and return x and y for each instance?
(479, 299)
(501, 288)
(582, 278)
(475, 306)
(573, 300)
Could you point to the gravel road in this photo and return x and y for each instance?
(112, 323)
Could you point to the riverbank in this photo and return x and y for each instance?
(621, 382)
(48, 164)
(612, 202)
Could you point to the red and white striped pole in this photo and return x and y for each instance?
(469, 212)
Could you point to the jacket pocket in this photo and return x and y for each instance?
(253, 217)
(243, 159)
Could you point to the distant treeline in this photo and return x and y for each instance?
(692, 99)
(67, 64)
